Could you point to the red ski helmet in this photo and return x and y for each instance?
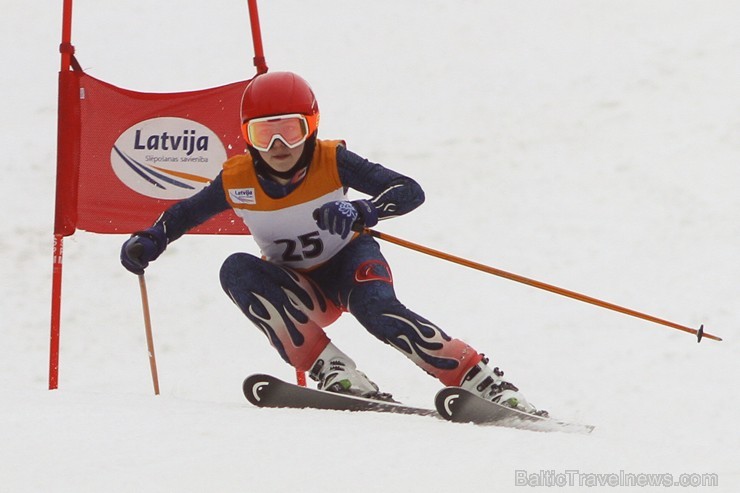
(279, 93)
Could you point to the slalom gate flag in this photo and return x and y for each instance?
(125, 156)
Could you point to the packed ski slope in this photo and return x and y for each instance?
(592, 145)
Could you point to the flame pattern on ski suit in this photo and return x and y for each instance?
(284, 305)
(292, 309)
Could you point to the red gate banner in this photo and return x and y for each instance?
(129, 155)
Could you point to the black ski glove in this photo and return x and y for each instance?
(143, 247)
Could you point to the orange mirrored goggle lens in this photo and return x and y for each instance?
(261, 133)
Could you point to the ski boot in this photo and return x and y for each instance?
(336, 372)
(489, 384)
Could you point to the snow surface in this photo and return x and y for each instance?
(590, 144)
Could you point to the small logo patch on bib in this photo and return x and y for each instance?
(243, 196)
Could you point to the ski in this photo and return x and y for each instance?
(268, 391)
(459, 405)
(453, 404)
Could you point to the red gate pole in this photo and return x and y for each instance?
(62, 224)
(56, 308)
(259, 56)
(66, 47)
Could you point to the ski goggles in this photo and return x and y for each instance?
(292, 130)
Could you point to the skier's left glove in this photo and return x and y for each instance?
(342, 217)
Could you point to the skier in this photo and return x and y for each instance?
(291, 191)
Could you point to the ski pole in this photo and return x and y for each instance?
(149, 338)
(537, 284)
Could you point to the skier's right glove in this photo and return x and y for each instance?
(342, 217)
(143, 247)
